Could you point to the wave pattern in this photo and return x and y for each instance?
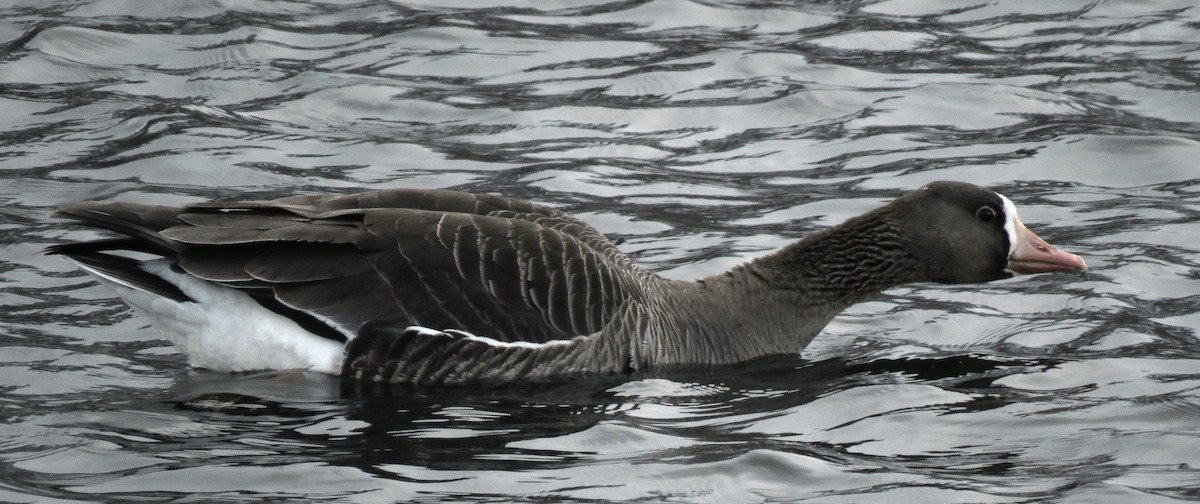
(697, 133)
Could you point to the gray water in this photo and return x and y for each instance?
(697, 133)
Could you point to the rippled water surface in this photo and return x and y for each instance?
(697, 133)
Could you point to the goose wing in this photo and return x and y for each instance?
(497, 267)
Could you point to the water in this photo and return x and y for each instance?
(699, 134)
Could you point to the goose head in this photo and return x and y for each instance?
(963, 233)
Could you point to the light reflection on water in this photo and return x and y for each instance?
(697, 134)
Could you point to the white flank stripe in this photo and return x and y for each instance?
(497, 343)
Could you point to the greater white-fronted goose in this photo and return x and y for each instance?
(435, 286)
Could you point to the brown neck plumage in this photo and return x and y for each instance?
(840, 265)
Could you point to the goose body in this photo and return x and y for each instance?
(436, 286)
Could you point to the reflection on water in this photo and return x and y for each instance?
(698, 134)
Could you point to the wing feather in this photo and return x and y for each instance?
(345, 301)
(500, 267)
(307, 262)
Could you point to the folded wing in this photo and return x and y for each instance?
(504, 269)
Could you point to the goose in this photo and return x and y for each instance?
(445, 287)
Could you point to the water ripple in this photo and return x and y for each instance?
(698, 134)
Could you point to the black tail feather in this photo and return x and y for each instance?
(105, 245)
(121, 269)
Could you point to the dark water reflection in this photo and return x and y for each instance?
(699, 134)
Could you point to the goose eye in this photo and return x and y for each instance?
(985, 213)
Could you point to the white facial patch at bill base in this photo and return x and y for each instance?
(1010, 224)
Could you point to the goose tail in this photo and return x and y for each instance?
(216, 327)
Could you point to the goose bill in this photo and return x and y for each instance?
(1033, 255)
